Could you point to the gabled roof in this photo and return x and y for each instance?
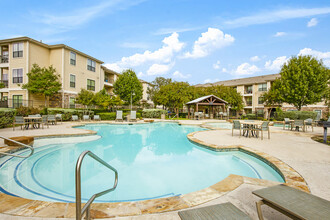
(200, 99)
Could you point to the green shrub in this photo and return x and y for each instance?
(183, 115)
(251, 116)
(153, 113)
(25, 111)
(67, 112)
(112, 115)
(295, 115)
(6, 117)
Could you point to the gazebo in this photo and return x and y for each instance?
(210, 102)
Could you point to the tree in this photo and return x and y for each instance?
(153, 91)
(86, 98)
(304, 81)
(128, 84)
(43, 81)
(105, 100)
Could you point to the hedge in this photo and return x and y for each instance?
(112, 115)
(67, 113)
(295, 115)
(6, 117)
(153, 113)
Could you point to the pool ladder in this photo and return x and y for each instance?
(86, 209)
(19, 143)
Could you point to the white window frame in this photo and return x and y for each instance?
(12, 78)
(92, 66)
(75, 80)
(75, 60)
(18, 43)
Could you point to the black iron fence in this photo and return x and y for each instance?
(15, 103)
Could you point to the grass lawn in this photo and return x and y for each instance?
(319, 138)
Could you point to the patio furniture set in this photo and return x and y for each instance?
(291, 202)
(297, 124)
(86, 118)
(36, 121)
(201, 115)
(251, 128)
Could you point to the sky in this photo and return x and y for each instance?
(186, 40)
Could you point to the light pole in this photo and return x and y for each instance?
(132, 93)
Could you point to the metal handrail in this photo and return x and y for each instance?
(15, 155)
(80, 211)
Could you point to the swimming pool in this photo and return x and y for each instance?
(153, 161)
(224, 125)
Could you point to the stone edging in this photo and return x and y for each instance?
(33, 208)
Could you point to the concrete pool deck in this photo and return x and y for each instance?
(307, 157)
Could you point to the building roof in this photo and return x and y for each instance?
(40, 43)
(109, 70)
(200, 99)
(243, 81)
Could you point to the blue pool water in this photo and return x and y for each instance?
(153, 160)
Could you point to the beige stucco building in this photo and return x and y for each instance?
(77, 70)
(252, 89)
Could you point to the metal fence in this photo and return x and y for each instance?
(15, 103)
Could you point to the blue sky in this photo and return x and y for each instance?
(187, 40)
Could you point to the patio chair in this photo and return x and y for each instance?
(292, 202)
(97, 118)
(51, 119)
(297, 124)
(133, 116)
(225, 115)
(264, 127)
(59, 117)
(44, 121)
(196, 115)
(200, 115)
(119, 116)
(237, 126)
(286, 122)
(75, 118)
(86, 117)
(220, 211)
(18, 120)
(309, 122)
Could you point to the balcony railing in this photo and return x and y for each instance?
(108, 81)
(4, 83)
(4, 59)
(248, 91)
(248, 103)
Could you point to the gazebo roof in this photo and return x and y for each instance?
(209, 98)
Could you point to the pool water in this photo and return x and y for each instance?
(224, 125)
(153, 161)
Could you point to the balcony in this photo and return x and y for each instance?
(4, 59)
(108, 82)
(3, 84)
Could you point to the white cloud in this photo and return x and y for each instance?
(224, 70)
(246, 69)
(266, 17)
(325, 56)
(113, 66)
(312, 22)
(159, 69)
(211, 80)
(136, 45)
(163, 31)
(179, 75)
(280, 34)
(140, 74)
(255, 59)
(276, 64)
(216, 65)
(209, 41)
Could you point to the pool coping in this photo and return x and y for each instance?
(18, 206)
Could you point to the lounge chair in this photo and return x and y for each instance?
(264, 127)
(293, 203)
(44, 121)
(86, 117)
(133, 116)
(52, 119)
(119, 116)
(309, 122)
(18, 120)
(297, 124)
(97, 118)
(223, 211)
(196, 115)
(75, 118)
(286, 122)
(59, 117)
(237, 126)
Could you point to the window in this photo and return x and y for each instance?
(17, 101)
(5, 80)
(72, 81)
(91, 65)
(91, 84)
(72, 58)
(261, 100)
(72, 102)
(248, 89)
(263, 87)
(319, 114)
(17, 75)
(18, 50)
(248, 101)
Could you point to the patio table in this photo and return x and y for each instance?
(249, 127)
(33, 121)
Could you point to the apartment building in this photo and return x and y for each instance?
(145, 96)
(76, 69)
(252, 89)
